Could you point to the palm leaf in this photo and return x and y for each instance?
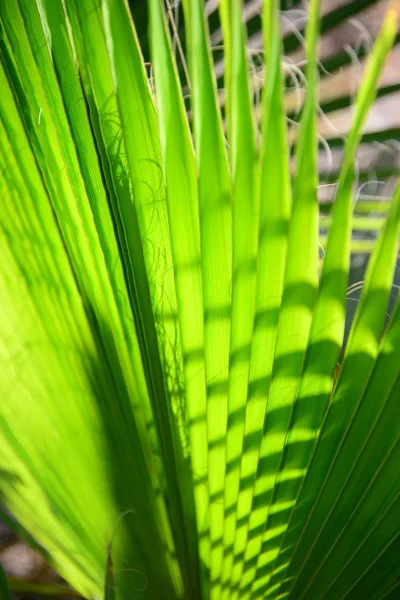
(185, 413)
(4, 591)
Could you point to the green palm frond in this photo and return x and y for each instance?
(187, 410)
(4, 591)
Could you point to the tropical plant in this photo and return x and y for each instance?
(180, 416)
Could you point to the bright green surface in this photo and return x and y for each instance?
(178, 416)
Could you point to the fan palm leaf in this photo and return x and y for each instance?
(183, 412)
